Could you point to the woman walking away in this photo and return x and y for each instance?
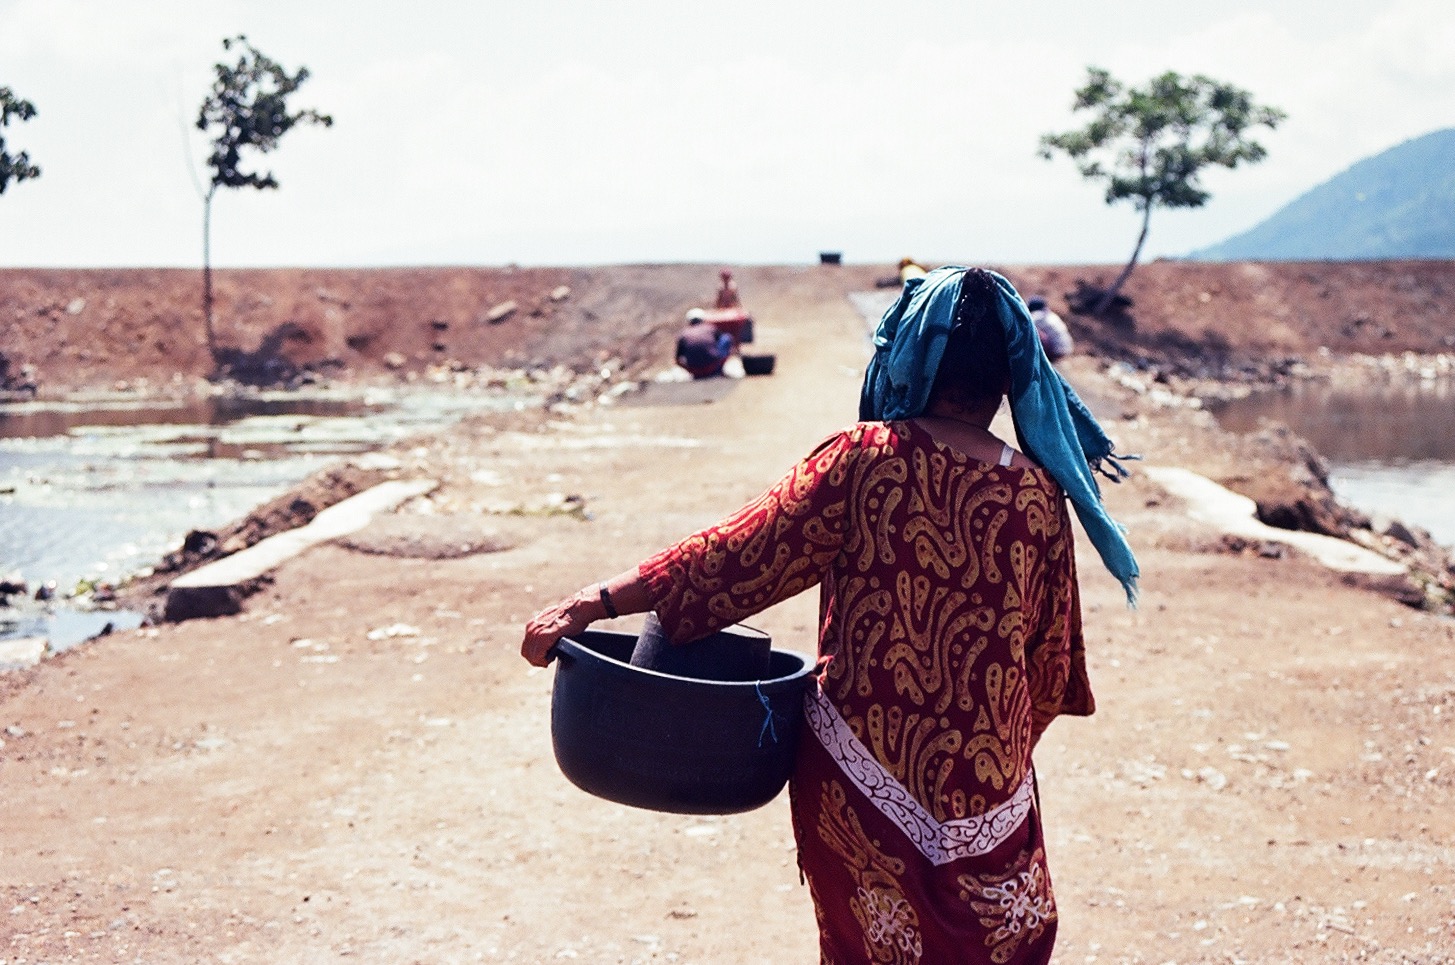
(950, 626)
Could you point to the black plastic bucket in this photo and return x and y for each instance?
(733, 653)
(667, 743)
(758, 364)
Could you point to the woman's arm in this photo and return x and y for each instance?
(626, 591)
(775, 546)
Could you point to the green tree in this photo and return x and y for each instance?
(14, 167)
(247, 110)
(1150, 144)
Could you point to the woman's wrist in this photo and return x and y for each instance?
(588, 606)
(606, 602)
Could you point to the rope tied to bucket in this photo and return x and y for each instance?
(769, 728)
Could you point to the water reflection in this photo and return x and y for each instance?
(1390, 447)
(1382, 422)
(50, 419)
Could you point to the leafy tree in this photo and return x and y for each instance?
(1150, 144)
(14, 167)
(247, 110)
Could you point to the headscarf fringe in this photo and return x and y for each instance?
(1110, 466)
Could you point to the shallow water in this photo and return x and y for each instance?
(94, 491)
(1390, 447)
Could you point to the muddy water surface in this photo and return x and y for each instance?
(91, 491)
(1390, 446)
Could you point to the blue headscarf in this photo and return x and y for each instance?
(1052, 424)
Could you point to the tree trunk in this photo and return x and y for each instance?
(207, 321)
(1108, 296)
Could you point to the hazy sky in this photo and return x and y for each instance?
(582, 131)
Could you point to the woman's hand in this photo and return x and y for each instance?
(580, 610)
(562, 619)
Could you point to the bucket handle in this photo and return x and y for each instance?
(769, 729)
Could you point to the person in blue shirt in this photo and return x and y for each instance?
(701, 348)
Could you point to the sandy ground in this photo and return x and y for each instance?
(359, 765)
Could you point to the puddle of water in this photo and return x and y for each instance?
(65, 627)
(39, 420)
(1419, 493)
(1390, 448)
(97, 490)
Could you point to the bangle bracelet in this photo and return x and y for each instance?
(606, 602)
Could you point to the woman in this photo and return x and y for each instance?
(950, 628)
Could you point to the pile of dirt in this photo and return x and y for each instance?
(80, 329)
(1253, 320)
(68, 329)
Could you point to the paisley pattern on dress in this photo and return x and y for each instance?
(949, 639)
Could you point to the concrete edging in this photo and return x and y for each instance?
(219, 588)
(1220, 507)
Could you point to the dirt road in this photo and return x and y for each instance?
(359, 766)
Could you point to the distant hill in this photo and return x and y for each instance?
(1398, 204)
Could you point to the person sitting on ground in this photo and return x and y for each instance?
(727, 295)
(949, 632)
(701, 348)
(1055, 336)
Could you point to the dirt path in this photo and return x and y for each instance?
(359, 765)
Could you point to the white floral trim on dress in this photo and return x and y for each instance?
(940, 842)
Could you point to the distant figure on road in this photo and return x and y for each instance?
(1055, 336)
(909, 268)
(702, 349)
(727, 295)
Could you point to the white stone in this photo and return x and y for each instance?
(24, 652)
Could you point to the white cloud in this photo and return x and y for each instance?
(571, 130)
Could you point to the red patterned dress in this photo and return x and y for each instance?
(950, 636)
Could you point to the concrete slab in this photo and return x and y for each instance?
(1230, 512)
(218, 588)
(21, 653)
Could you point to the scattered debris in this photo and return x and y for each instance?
(501, 312)
(1211, 776)
(392, 631)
